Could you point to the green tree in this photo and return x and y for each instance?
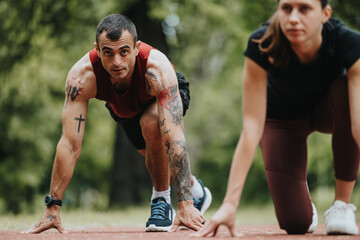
(39, 42)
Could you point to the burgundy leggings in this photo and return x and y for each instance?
(284, 151)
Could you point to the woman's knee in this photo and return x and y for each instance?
(291, 200)
(296, 225)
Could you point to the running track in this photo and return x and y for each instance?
(263, 232)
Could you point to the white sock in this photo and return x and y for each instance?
(165, 194)
(196, 189)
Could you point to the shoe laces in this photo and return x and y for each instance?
(158, 210)
(335, 211)
(197, 203)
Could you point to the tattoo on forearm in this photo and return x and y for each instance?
(164, 129)
(51, 217)
(169, 99)
(162, 123)
(180, 169)
(73, 87)
(80, 119)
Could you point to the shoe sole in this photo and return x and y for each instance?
(314, 223)
(154, 228)
(207, 202)
(336, 230)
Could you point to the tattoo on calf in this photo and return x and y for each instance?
(80, 119)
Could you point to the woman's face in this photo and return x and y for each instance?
(301, 20)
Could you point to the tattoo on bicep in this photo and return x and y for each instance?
(72, 89)
(151, 78)
(180, 169)
(169, 99)
(80, 119)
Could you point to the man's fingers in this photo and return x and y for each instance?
(43, 227)
(176, 224)
(174, 228)
(45, 224)
(61, 229)
(40, 227)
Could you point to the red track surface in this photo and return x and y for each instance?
(264, 232)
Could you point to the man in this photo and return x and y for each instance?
(142, 93)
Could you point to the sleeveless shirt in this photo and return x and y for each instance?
(135, 99)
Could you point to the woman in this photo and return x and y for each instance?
(301, 74)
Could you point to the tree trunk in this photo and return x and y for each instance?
(129, 178)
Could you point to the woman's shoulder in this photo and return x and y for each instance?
(338, 28)
(333, 24)
(260, 31)
(341, 42)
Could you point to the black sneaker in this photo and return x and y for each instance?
(202, 204)
(162, 216)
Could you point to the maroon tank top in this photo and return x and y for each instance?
(135, 99)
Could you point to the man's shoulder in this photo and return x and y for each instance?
(83, 72)
(144, 50)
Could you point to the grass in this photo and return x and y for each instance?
(132, 216)
(137, 216)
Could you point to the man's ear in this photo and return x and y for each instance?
(97, 49)
(327, 14)
(137, 47)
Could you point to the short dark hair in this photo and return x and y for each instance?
(114, 25)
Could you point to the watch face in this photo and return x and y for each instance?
(48, 199)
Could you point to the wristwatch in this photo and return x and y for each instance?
(50, 200)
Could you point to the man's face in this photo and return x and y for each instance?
(118, 57)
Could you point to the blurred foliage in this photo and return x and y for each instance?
(41, 39)
(348, 11)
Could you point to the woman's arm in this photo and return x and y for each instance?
(354, 99)
(254, 114)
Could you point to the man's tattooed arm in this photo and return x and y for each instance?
(80, 119)
(72, 89)
(171, 128)
(169, 99)
(180, 169)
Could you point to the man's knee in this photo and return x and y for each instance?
(149, 123)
